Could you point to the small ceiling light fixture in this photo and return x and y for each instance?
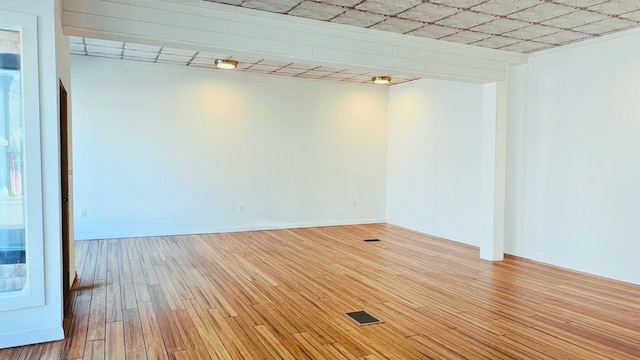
(381, 79)
(226, 64)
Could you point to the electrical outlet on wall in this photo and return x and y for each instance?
(241, 208)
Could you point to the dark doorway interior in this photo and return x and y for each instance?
(64, 181)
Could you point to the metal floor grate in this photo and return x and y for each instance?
(363, 318)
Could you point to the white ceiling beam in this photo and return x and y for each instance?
(213, 27)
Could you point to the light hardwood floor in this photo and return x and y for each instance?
(283, 294)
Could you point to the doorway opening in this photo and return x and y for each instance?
(64, 184)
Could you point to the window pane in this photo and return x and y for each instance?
(12, 209)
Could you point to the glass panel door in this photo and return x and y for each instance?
(13, 267)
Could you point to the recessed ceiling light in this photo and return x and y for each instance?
(381, 79)
(226, 64)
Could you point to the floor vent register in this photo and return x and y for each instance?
(363, 318)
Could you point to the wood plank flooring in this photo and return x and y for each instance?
(282, 295)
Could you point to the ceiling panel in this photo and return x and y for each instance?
(158, 54)
(524, 26)
(515, 25)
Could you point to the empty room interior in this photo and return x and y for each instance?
(330, 179)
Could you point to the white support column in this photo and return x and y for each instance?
(494, 143)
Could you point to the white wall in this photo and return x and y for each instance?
(434, 158)
(64, 75)
(161, 149)
(574, 150)
(572, 154)
(43, 323)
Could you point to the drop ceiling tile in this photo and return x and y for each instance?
(356, 72)
(433, 31)
(308, 76)
(346, 3)
(526, 46)
(616, 7)
(579, 3)
(230, 2)
(283, 74)
(139, 54)
(76, 40)
(386, 7)
(606, 26)
(279, 6)
(532, 32)
(633, 16)
(401, 79)
(358, 18)
(256, 70)
(360, 78)
(141, 47)
(500, 26)
(289, 71)
(339, 76)
(466, 20)
(77, 47)
(328, 69)
(174, 58)
(496, 42)
(542, 12)
(463, 4)
(302, 66)
(138, 59)
(314, 10)
(182, 52)
(466, 37)
(274, 63)
(243, 65)
(576, 18)
(398, 79)
(106, 56)
(212, 56)
(103, 50)
(427, 12)
(104, 43)
(251, 59)
(181, 63)
(359, 81)
(203, 62)
(563, 37)
(316, 73)
(397, 25)
(209, 66)
(264, 68)
(505, 7)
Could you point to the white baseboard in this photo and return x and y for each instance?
(302, 225)
(83, 236)
(573, 265)
(31, 337)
